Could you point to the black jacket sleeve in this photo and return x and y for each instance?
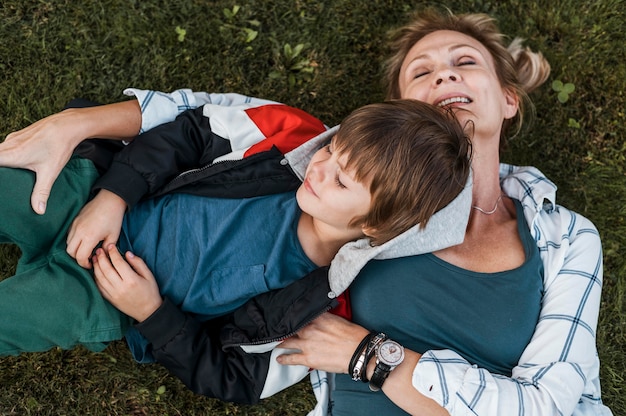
(192, 351)
(157, 156)
(207, 356)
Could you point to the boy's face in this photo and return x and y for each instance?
(330, 194)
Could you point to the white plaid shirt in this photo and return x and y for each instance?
(558, 372)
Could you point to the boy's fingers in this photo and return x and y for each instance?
(107, 269)
(82, 255)
(117, 260)
(138, 265)
(100, 278)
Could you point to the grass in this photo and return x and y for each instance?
(52, 51)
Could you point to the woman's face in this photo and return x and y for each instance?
(450, 69)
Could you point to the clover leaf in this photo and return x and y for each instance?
(563, 90)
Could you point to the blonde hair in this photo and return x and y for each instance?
(416, 157)
(519, 69)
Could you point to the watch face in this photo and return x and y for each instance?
(390, 352)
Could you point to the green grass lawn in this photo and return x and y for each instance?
(324, 57)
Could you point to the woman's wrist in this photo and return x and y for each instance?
(375, 358)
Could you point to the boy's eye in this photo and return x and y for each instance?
(338, 182)
(420, 74)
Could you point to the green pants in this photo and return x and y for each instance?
(51, 301)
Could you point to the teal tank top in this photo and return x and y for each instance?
(425, 303)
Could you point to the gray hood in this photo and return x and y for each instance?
(445, 229)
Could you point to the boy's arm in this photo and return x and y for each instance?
(208, 357)
(157, 156)
(200, 137)
(193, 353)
(190, 350)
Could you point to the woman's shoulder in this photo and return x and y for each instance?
(537, 194)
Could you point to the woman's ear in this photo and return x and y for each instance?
(511, 104)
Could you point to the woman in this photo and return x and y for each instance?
(542, 327)
(462, 358)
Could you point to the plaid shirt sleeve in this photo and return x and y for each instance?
(558, 372)
(160, 107)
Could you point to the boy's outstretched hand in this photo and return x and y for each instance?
(128, 284)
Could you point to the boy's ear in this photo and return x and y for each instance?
(368, 231)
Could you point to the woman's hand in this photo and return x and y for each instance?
(328, 343)
(325, 344)
(128, 284)
(46, 146)
(43, 147)
(99, 220)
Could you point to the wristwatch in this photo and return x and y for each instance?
(389, 354)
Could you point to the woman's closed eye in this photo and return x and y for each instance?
(419, 74)
(466, 61)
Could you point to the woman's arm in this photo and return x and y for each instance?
(160, 107)
(45, 146)
(328, 344)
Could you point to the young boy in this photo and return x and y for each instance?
(389, 167)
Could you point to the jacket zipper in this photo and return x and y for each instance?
(282, 337)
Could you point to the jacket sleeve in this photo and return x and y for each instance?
(557, 372)
(192, 351)
(208, 358)
(161, 107)
(201, 137)
(157, 156)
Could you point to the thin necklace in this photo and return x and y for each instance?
(477, 208)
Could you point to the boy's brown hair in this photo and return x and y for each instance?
(416, 157)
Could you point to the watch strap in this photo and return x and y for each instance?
(381, 372)
(385, 363)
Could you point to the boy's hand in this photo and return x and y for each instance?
(128, 284)
(99, 220)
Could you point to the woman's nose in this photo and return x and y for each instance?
(450, 77)
(446, 75)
